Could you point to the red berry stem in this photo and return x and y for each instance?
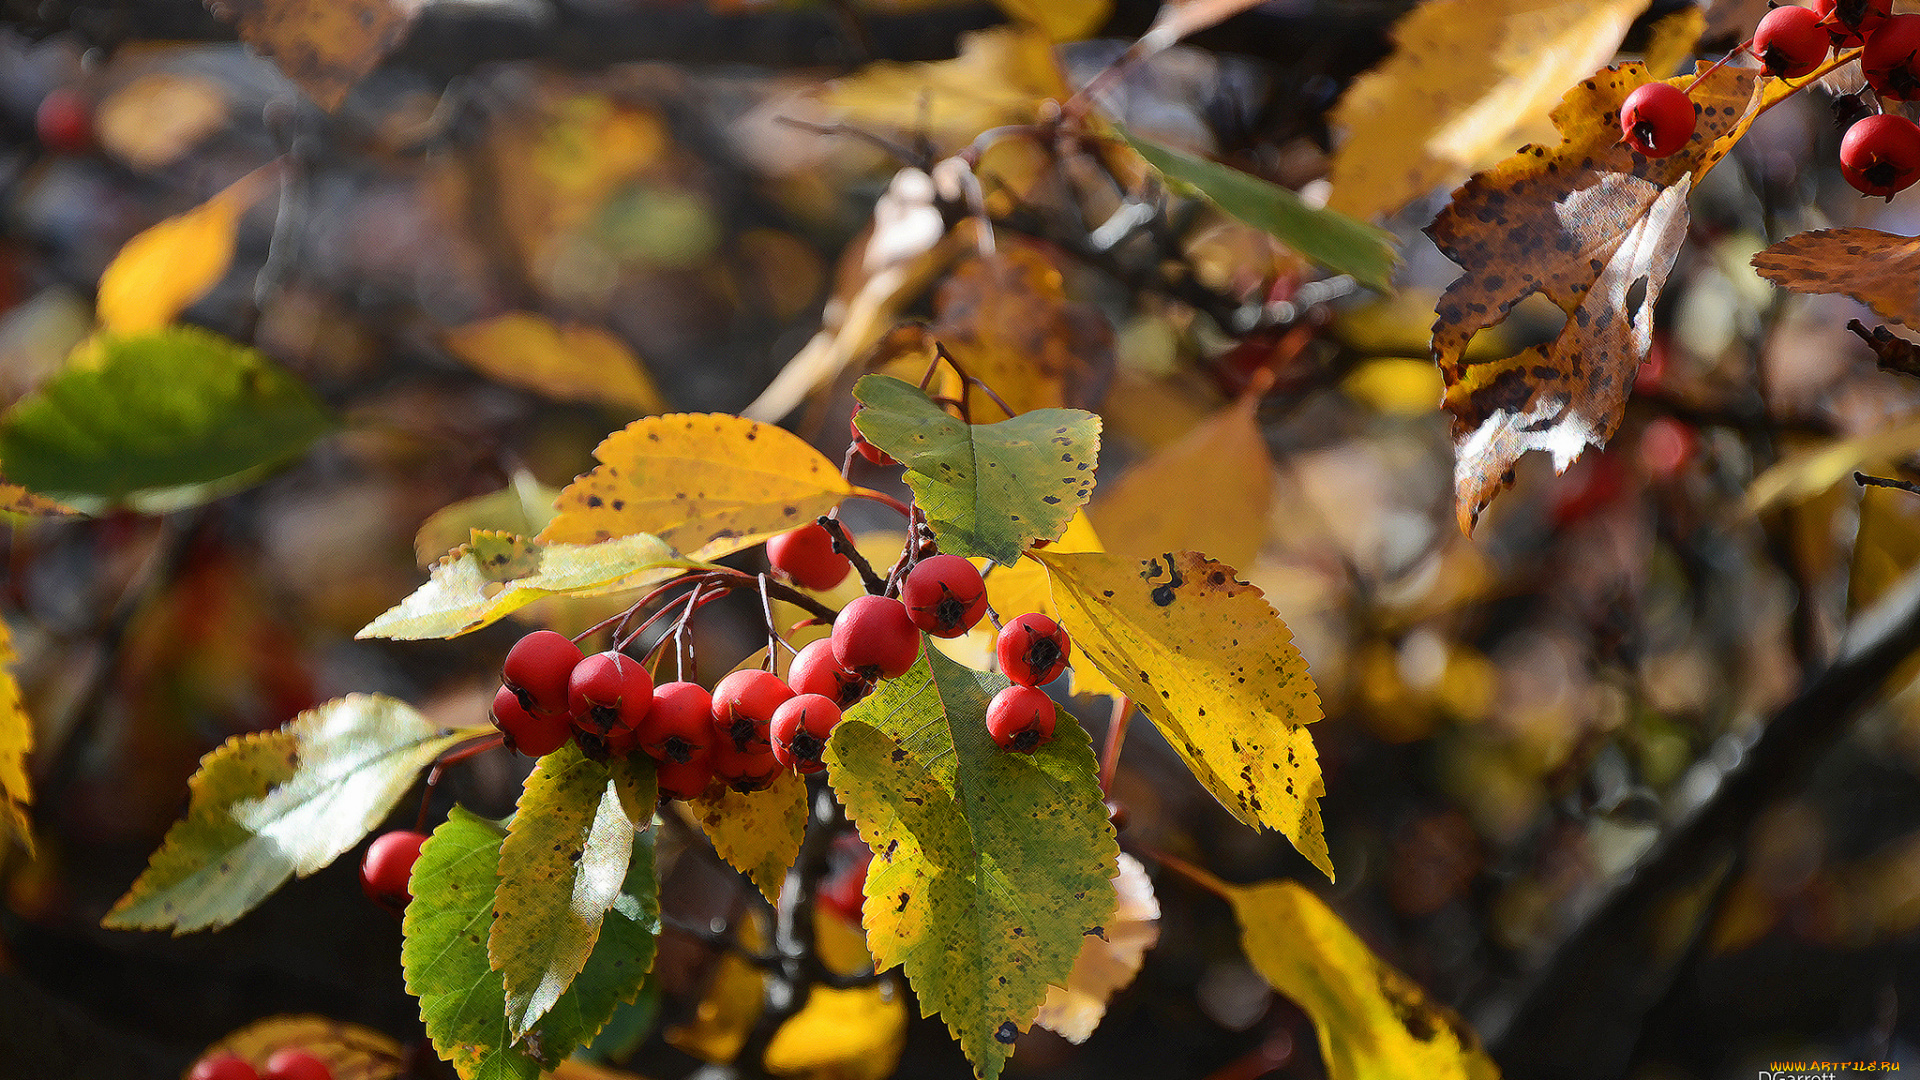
(1116, 737)
(883, 498)
(453, 756)
(843, 545)
(1744, 46)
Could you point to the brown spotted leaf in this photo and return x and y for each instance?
(1881, 270)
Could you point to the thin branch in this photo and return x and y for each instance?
(1886, 482)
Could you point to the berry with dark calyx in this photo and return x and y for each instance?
(815, 671)
(743, 705)
(1881, 155)
(875, 636)
(1851, 22)
(1889, 60)
(293, 1063)
(1790, 42)
(806, 556)
(945, 595)
(1033, 649)
(745, 771)
(609, 690)
(799, 731)
(223, 1066)
(1657, 119)
(387, 866)
(684, 780)
(1020, 718)
(864, 448)
(537, 668)
(679, 727)
(534, 734)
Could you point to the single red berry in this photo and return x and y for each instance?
(945, 595)
(1020, 718)
(1851, 22)
(64, 121)
(1657, 119)
(799, 731)
(679, 727)
(1888, 61)
(293, 1063)
(860, 444)
(533, 734)
(684, 779)
(223, 1066)
(1880, 155)
(744, 771)
(806, 556)
(537, 668)
(1666, 445)
(1033, 649)
(743, 705)
(844, 891)
(875, 636)
(815, 671)
(1791, 42)
(387, 866)
(609, 690)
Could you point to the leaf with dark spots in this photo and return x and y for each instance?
(1881, 270)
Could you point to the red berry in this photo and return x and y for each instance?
(1020, 718)
(944, 596)
(533, 734)
(744, 770)
(223, 1066)
(799, 731)
(806, 556)
(609, 690)
(293, 1063)
(64, 121)
(1850, 22)
(864, 448)
(1657, 119)
(684, 780)
(1033, 649)
(1666, 445)
(537, 668)
(1888, 60)
(1880, 155)
(679, 727)
(387, 866)
(844, 891)
(875, 636)
(815, 671)
(1791, 42)
(743, 705)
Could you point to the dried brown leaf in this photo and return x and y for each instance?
(1881, 270)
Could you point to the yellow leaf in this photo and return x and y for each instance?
(758, 833)
(1374, 1022)
(852, 1034)
(1204, 656)
(1060, 20)
(155, 119)
(1394, 384)
(1805, 473)
(1023, 587)
(733, 1001)
(16, 742)
(162, 271)
(1208, 492)
(1468, 78)
(570, 362)
(705, 483)
(1006, 318)
(1673, 40)
(1108, 963)
(324, 46)
(1002, 76)
(350, 1051)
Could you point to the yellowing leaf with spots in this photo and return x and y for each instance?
(496, 574)
(1209, 491)
(561, 868)
(988, 868)
(567, 362)
(707, 484)
(1022, 586)
(758, 833)
(1205, 657)
(351, 1052)
(1006, 318)
(163, 270)
(16, 742)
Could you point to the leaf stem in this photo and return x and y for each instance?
(455, 756)
(1116, 737)
(1187, 870)
(882, 498)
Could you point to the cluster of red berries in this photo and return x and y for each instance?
(286, 1063)
(1880, 153)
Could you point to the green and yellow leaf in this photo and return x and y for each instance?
(522, 508)
(757, 833)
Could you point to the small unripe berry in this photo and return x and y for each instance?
(864, 448)
(684, 779)
(537, 668)
(1880, 155)
(1791, 42)
(744, 771)
(1657, 119)
(945, 596)
(743, 705)
(806, 556)
(815, 671)
(679, 727)
(1020, 718)
(533, 734)
(1033, 649)
(609, 690)
(387, 866)
(799, 731)
(223, 1066)
(874, 636)
(293, 1063)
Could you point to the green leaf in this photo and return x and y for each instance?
(1328, 237)
(987, 489)
(561, 868)
(267, 807)
(988, 867)
(158, 421)
(759, 832)
(638, 788)
(496, 574)
(463, 1000)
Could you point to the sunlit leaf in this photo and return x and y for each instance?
(706, 484)
(988, 867)
(158, 421)
(567, 362)
(851, 1034)
(163, 270)
(271, 806)
(15, 499)
(636, 787)
(1805, 473)
(496, 574)
(1209, 491)
(987, 489)
(561, 868)
(1002, 76)
(324, 46)
(16, 742)
(757, 833)
(350, 1051)
(522, 508)
(1881, 270)
(1204, 656)
(1106, 964)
